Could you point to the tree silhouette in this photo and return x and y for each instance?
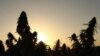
(82, 39)
(57, 48)
(27, 44)
(76, 44)
(64, 50)
(22, 23)
(87, 35)
(1, 48)
(90, 32)
(9, 42)
(41, 49)
(49, 51)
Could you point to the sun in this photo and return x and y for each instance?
(41, 37)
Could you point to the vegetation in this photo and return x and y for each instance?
(27, 45)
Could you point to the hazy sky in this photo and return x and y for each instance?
(57, 19)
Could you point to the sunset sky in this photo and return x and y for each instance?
(52, 19)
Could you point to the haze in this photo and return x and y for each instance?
(57, 19)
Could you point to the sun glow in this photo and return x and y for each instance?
(42, 37)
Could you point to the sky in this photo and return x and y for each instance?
(54, 19)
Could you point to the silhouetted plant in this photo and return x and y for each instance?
(76, 46)
(41, 49)
(64, 50)
(83, 39)
(34, 36)
(57, 46)
(86, 35)
(27, 45)
(9, 41)
(27, 37)
(90, 32)
(22, 23)
(57, 50)
(49, 52)
(1, 49)
(76, 43)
